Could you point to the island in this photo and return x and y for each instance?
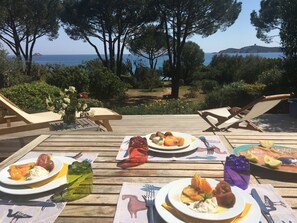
(253, 49)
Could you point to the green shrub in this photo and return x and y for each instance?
(11, 71)
(208, 85)
(103, 83)
(235, 94)
(147, 78)
(63, 77)
(30, 96)
(171, 106)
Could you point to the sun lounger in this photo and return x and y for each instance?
(222, 119)
(101, 116)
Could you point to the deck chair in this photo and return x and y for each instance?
(102, 116)
(222, 119)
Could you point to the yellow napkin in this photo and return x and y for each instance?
(189, 219)
(62, 173)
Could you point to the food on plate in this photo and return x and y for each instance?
(266, 143)
(167, 139)
(19, 172)
(44, 160)
(272, 162)
(32, 170)
(251, 157)
(36, 172)
(201, 197)
(274, 156)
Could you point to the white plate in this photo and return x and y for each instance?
(24, 190)
(254, 214)
(194, 145)
(5, 177)
(187, 142)
(174, 197)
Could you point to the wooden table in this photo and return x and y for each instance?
(100, 206)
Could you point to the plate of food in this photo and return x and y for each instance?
(253, 215)
(30, 171)
(206, 199)
(270, 156)
(26, 190)
(168, 140)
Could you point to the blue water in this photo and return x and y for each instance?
(70, 60)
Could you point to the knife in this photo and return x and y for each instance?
(262, 206)
(28, 203)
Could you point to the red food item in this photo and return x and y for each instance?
(226, 200)
(44, 160)
(222, 187)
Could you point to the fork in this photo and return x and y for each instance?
(149, 199)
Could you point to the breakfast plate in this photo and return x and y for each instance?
(26, 190)
(5, 177)
(254, 214)
(187, 142)
(240, 150)
(174, 196)
(193, 146)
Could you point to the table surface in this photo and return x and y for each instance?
(100, 206)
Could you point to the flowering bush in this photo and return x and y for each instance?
(69, 103)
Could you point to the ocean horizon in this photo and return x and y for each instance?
(77, 59)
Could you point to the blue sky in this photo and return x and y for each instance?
(240, 34)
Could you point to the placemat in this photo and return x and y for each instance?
(198, 152)
(131, 206)
(23, 213)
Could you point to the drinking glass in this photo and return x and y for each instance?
(138, 149)
(237, 171)
(79, 182)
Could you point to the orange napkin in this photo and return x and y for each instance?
(62, 173)
(189, 219)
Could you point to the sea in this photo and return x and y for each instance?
(72, 60)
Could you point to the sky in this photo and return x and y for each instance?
(240, 34)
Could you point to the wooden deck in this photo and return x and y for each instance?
(144, 124)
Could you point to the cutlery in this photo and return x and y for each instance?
(27, 203)
(149, 199)
(210, 148)
(288, 160)
(262, 206)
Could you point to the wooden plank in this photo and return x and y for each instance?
(20, 153)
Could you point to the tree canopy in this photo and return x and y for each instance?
(108, 22)
(22, 22)
(149, 43)
(183, 19)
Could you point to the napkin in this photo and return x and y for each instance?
(62, 173)
(189, 219)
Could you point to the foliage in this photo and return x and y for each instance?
(172, 106)
(110, 22)
(103, 83)
(268, 19)
(63, 77)
(208, 85)
(22, 22)
(10, 71)
(30, 96)
(226, 69)
(192, 57)
(234, 94)
(147, 78)
(68, 103)
(149, 43)
(272, 79)
(183, 19)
